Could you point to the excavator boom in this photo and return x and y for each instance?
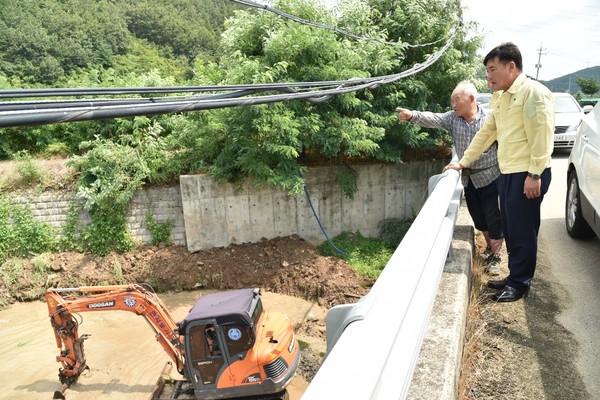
(65, 303)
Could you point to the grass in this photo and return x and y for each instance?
(25, 173)
(367, 255)
(41, 263)
(474, 331)
(303, 345)
(11, 270)
(478, 341)
(29, 170)
(117, 270)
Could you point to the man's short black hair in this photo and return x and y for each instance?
(506, 52)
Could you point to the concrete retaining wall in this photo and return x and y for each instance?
(219, 214)
(204, 214)
(164, 203)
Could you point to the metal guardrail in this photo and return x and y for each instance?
(373, 345)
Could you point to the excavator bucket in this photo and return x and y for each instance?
(60, 392)
(163, 379)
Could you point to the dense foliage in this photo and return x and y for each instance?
(274, 143)
(424, 26)
(588, 86)
(20, 234)
(83, 43)
(42, 41)
(45, 42)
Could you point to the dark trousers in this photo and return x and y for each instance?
(521, 223)
(483, 207)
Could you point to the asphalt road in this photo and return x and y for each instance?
(575, 269)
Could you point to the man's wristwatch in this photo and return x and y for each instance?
(535, 177)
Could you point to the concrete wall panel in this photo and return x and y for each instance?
(230, 215)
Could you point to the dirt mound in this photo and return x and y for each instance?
(287, 265)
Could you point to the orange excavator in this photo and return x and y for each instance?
(227, 347)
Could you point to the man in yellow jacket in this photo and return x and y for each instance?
(522, 122)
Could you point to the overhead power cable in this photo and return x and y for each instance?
(58, 92)
(329, 27)
(85, 110)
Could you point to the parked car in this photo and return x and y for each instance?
(568, 115)
(582, 206)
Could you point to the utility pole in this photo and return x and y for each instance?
(539, 65)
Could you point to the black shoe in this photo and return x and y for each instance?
(497, 284)
(510, 293)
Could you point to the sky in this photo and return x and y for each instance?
(566, 31)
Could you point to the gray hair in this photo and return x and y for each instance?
(467, 88)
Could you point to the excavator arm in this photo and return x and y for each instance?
(65, 303)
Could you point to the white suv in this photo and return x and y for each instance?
(582, 209)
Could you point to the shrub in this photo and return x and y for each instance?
(21, 235)
(110, 174)
(29, 170)
(160, 231)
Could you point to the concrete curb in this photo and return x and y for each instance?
(438, 369)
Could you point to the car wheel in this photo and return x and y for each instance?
(577, 227)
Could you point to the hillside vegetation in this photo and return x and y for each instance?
(106, 43)
(568, 83)
(51, 42)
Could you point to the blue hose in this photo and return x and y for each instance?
(321, 225)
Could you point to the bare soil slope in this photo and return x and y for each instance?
(287, 265)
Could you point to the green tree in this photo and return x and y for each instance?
(273, 143)
(423, 27)
(43, 40)
(110, 173)
(185, 28)
(269, 142)
(588, 86)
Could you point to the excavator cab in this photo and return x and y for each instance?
(235, 349)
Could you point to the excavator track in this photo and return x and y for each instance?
(60, 392)
(283, 395)
(177, 392)
(167, 388)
